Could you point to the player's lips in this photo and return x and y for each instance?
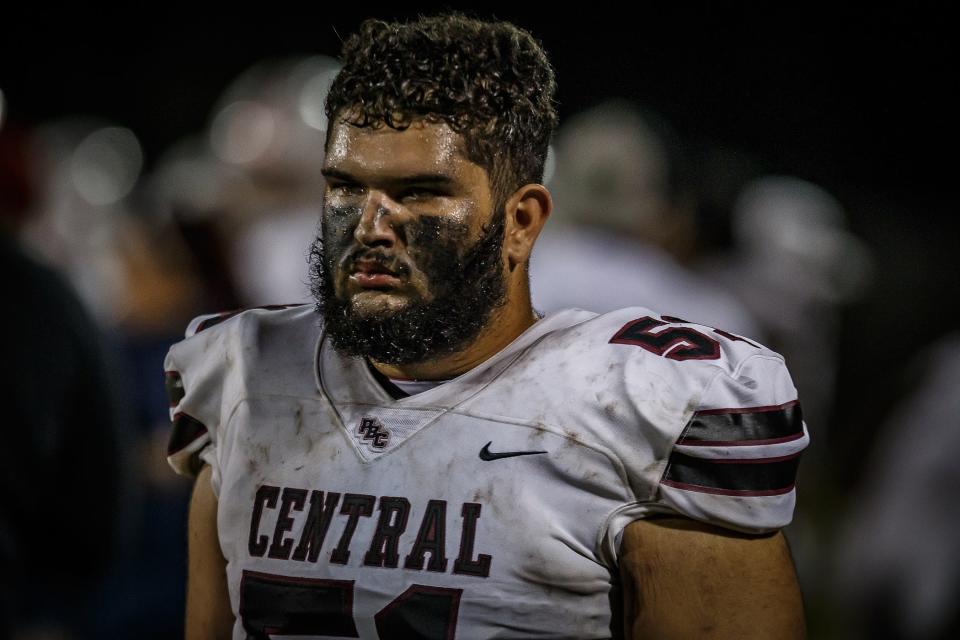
(370, 274)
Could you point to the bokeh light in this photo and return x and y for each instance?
(106, 164)
(314, 92)
(242, 132)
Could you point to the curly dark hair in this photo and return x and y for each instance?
(490, 82)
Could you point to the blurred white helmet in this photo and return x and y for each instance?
(799, 230)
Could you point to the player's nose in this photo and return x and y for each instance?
(376, 222)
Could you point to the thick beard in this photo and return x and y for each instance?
(466, 288)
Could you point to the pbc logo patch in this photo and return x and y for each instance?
(372, 430)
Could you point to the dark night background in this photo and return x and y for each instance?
(842, 97)
(859, 101)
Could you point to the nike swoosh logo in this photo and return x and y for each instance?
(486, 455)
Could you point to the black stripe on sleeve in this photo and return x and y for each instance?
(186, 429)
(747, 426)
(753, 477)
(174, 386)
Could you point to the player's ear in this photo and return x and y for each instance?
(526, 212)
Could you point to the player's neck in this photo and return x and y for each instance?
(505, 324)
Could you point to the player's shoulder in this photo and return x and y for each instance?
(253, 348)
(706, 422)
(250, 331)
(640, 338)
(650, 371)
(226, 358)
(247, 319)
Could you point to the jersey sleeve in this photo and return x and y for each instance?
(198, 376)
(697, 422)
(735, 462)
(721, 448)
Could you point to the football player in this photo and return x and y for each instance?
(421, 455)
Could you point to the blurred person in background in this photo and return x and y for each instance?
(897, 561)
(268, 133)
(719, 173)
(85, 169)
(239, 205)
(237, 200)
(625, 228)
(794, 266)
(133, 271)
(60, 462)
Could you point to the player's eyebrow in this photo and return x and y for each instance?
(424, 179)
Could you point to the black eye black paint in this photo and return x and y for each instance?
(339, 223)
(466, 284)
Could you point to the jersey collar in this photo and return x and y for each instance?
(346, 380)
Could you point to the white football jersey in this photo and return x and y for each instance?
(490, 506)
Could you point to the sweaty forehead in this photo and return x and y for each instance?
(423, 147)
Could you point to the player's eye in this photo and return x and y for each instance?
(420, 193)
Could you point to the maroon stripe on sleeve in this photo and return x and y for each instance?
(728, 492)
(763, 409)
(739, 443)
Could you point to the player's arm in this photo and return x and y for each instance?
(208, 598)
(686, 579)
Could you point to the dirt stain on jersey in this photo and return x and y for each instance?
(610, 409)
(536, 434)
(591, 476)
(451, 467)
(309, 444)
(298, 420)
(330, 421)
(484, 495)
(487, 496)
(572, 438)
